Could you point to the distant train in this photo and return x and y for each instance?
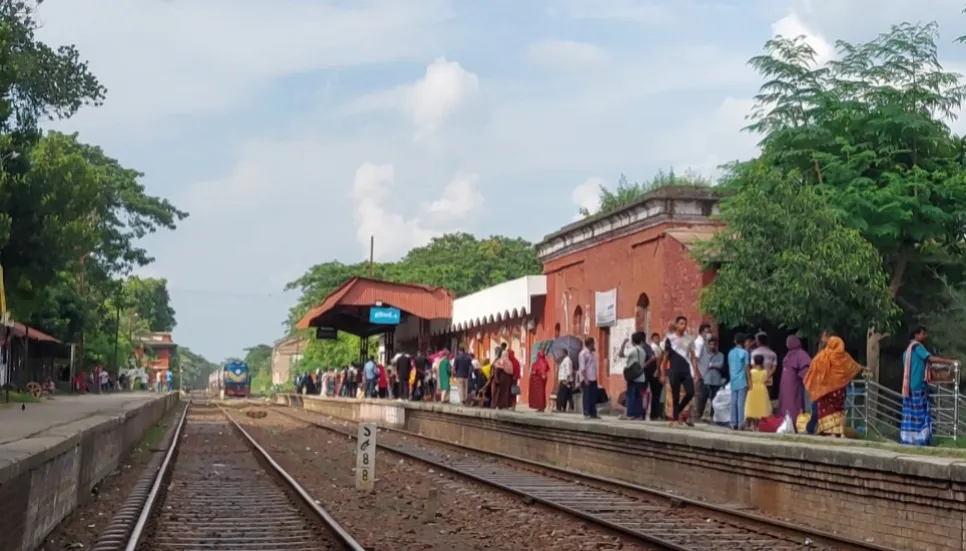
(231, 380)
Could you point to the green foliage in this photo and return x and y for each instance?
(151, 302)
(458, 262)
(71, 217)
(627, 193)
(195, 368)
(870, 130)
(259, 359)
(37, 81)
(786, 255)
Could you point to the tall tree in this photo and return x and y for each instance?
(151, 301)
(870, 130)
(785, 255)
(36, 81)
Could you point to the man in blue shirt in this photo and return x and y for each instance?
(462, 367)
(738, 369)
(372, 377)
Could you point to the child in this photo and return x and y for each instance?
(740, 379)
(758, 405)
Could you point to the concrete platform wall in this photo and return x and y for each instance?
(38, 492)
(909, 502)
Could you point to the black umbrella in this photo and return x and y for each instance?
(567, 344)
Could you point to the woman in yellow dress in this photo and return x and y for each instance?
(758, 403)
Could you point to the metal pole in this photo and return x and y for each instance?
(117, 333)
(372, 249)
(956, 401)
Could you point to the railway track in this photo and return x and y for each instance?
(650, 516)
(217, 489)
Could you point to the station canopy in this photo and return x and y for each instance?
(351, 307)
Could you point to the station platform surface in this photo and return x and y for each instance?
(24, 432)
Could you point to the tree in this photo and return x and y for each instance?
(194, 368)
(36, 81)
(152, 302)
(786, 256)
(627, 193)
(870, 131)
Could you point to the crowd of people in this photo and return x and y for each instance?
(430, 377)
(674, 377)
(690, 373)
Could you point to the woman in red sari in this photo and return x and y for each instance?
(517, 373)
(537, 395)
(502, 381)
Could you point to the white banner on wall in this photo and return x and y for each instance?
(606, 307)
(622, 329)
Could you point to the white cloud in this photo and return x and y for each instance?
(566, 55)
(587, 195)
(393, 232)
(791, 26)
(439, 95)
(444, 92)
(167, 58)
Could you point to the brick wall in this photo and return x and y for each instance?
(647, 262)
(863, 495)
(38, 492)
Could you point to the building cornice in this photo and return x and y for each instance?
(687, 205)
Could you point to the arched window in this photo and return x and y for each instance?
(579, 321)
(642, 313)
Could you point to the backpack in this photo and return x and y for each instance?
(634, 369)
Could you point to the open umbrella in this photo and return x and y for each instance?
(567, 344)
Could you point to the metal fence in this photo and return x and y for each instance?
(875, 411)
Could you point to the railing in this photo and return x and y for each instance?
(875, 411)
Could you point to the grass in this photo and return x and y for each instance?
(18, 398)
(153, 437)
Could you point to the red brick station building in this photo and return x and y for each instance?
(605, 276)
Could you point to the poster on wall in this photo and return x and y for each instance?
(622, 329)
(606, 307)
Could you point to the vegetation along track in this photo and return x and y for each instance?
(653, 517)
(219, 489)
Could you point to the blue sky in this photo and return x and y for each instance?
(291, 130)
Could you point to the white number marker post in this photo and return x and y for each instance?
(366, 457)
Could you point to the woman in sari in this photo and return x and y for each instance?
(917, 362)
(791, 399)
(537, 395)
(501, 381)
(830, 372)
(517, 373)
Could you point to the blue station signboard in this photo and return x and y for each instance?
(384, 316)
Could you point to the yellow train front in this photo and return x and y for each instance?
(237, 380)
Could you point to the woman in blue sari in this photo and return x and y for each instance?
(916, 428)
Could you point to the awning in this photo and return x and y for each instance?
(20, 331)
(347, 308)
(508, 300)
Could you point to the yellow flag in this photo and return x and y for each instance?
(3, 295)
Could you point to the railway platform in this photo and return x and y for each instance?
(893, 496)
(52, 453)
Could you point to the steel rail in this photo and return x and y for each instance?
(151, 502)
(771, 527)
(307, 500)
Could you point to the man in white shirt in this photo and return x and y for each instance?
(565, 384)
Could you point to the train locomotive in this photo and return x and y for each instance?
(231, 380)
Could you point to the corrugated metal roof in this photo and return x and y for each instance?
(20, 331)
(422, 301)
